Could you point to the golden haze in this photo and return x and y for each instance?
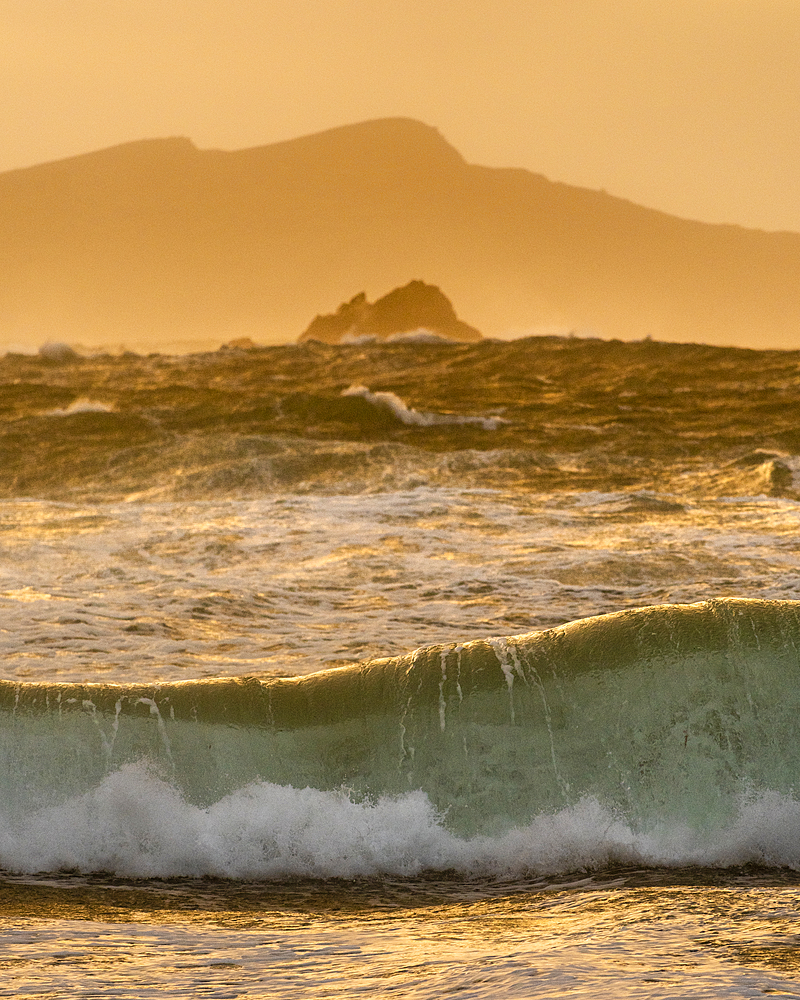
(155, 242)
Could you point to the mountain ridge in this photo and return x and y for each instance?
(157, 238)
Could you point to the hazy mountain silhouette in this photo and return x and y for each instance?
(157, 240)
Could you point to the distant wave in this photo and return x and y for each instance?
(57, 352)
(420, 336)
(81, 405)
(407, 415)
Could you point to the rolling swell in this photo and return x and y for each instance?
(659, 718)
(542, 413)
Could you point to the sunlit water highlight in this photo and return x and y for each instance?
(601, 937)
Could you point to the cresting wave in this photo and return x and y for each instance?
(663, 735)
(391, 403)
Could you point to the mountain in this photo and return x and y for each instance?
(157, 241)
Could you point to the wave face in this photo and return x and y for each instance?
(667, 734)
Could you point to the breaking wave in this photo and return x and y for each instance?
(407, 415)
(664, 735)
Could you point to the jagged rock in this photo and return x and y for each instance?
(415, 306)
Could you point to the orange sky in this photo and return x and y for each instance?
(691, 106)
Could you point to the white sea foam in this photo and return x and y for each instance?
(134, 823)
(82, 405)
(412, 417)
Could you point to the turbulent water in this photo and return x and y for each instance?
(316, 658)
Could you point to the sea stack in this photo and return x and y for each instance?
(416, 308)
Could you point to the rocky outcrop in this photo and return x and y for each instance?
(416, 307)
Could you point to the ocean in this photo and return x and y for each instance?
(405, 669)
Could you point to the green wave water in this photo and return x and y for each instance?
(666, 716)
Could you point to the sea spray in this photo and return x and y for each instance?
(135, 823)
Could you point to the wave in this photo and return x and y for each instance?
(419, 336)
(392, 403)
(684, 421)
(57, 352)
(664, 735)
(757, 473)
(81, 405)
